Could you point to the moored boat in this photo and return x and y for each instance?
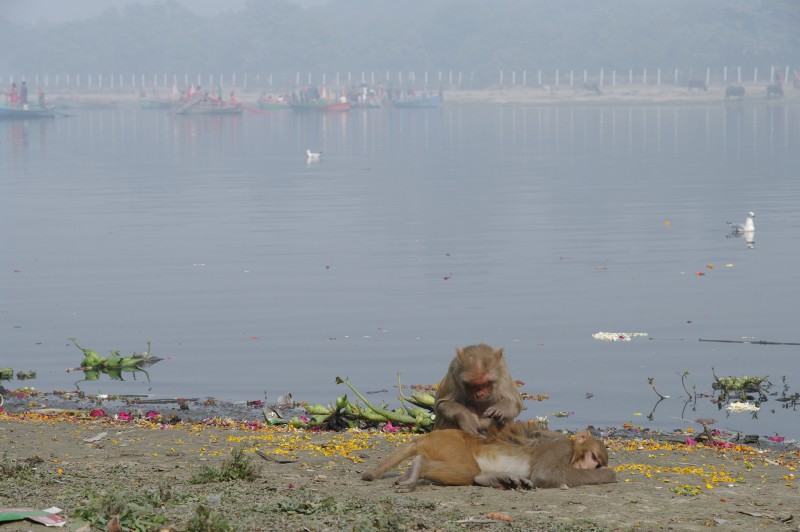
(271, 103)
(153, 103)
(313, 98)
(209, 107)
(85, 103)
(16, 111)
(321, 105)
(424, 101)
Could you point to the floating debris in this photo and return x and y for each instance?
(617, 336)
(742, 407)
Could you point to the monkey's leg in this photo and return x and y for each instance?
(409, 481)
(450, 473)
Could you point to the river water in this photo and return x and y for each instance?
(256, 273)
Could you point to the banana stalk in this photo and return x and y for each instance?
(412, 410)
(388, 414)
(318, 409)
(423, 399)
(90, 358)
(112, 361)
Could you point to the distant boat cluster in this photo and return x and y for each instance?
(196, 100)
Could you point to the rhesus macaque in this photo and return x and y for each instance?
(525, 458)
(477, 393)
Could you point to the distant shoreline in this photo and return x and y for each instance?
(538, 96)
(615, 95)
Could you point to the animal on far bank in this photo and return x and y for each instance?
(734, 91)
(591, 86)
(774, 90)
(698, 84)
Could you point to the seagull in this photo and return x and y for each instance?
(313, 155)
(746, 227)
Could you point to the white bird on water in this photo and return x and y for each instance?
(746, 227)
(313, 155)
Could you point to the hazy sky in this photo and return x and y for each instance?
(29, 11)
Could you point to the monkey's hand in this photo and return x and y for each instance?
(494, 412)
(469, 423)
(503, 480)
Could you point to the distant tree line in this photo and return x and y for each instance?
(476, 36)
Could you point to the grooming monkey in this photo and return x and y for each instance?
(477, 393)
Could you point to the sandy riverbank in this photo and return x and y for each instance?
(172, 476)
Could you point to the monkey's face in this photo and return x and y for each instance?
(588, 461)
(479, 390)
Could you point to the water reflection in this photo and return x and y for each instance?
(731, 129)
(18, 134)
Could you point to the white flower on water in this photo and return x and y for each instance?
(742, 407)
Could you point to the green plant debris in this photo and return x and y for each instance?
(237, 467)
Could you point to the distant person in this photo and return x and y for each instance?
(12, 95)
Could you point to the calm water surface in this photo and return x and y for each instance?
(256, 273)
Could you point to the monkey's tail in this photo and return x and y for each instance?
(409, 450)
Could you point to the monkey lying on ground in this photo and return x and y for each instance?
(477, 393)
(519, 457)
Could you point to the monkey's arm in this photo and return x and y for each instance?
(503, 480)
(453, 415)
(567, 476)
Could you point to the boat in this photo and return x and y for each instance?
(425, 101)
(314, 98)
(16, 111)
(209, 106)
(369, 104)
(85, 103)
(271, 103)
(320, 105)
(154, 103)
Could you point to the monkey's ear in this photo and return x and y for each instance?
(460, 353)
(498, 353)
(582, 436)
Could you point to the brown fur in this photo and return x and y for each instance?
(477, 392)
(517, 456)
